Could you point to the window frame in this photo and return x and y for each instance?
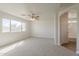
(10, 26)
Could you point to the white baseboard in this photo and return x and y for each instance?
(42, 37)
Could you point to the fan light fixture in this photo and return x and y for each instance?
(33, 17)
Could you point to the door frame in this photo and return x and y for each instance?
(58, 26)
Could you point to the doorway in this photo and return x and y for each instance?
(68, 31)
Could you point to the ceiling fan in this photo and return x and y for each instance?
(34, 17)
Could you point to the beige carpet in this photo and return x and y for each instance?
(36, 47)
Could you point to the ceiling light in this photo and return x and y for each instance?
(33, 16)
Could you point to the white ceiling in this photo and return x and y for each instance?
(66, 4)
(13, 9)
(19, 9)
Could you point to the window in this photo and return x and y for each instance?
(15, 26)
(23, 27)
(5, 25)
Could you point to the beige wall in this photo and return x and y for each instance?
(45, 26)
